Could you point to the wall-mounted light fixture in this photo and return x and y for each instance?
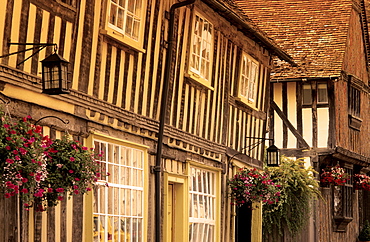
(55, 75)
(54, 68)
(272, 152)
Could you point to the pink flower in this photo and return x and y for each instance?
(24, 180)
(71, 171)
(88, 189)
(75, 187)
(60, 190)
(76, 191)
(7, 147)
(7, 195)
(77, 179)
(60, 198)
(10, 161)
(8, 138)
(24, 190)
(39, 193)
(50, 190)
(15, 152)
(85, 148)
(23, 151)
(59, 165)
(6, 126)
(17, 158)
(72, 159)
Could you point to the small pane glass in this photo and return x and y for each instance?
(307, 94)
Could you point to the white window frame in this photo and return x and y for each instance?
(119, 197)
(134, 15)
(249, 77)
(202, 219)
(201, 51)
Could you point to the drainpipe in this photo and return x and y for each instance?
(157, 169)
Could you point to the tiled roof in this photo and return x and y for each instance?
(233, 13)
(313, 32)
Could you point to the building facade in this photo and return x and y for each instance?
(192, 75)
(319, 109)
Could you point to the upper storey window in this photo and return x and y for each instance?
(125, 23)
(318, 91)
(201, 50)
(125, 16)
(248, 79)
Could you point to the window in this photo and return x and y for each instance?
(118, 198)
(354, 101)
(125, 16)
(320, 93)
(202, 42)
(343, 203)
(202, 205)
(248, 78)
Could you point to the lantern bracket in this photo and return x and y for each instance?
(37, 47)
(51, 116)
(254, 145)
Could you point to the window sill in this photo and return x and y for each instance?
(116, 35)
(341, 223)
(199, 80)
(354, 122)
(243, 101)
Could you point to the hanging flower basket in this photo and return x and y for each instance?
(361, 182)
(334, 175)
(39, 170)
(252, 186)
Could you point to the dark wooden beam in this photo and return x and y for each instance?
(286, 121)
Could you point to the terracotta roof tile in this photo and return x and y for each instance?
(313, 32)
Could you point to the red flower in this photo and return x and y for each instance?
(24, 190)
(7, 195)
(10, 161)
(60, 198)
(60, 190)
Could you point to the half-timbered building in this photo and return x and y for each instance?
(168, 91)
(320, 108)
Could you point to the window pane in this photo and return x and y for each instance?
(126, 16)
(202, 200)
(119, 204)
(307, 94)
(322, 93)
(201, 47)
(113, 14)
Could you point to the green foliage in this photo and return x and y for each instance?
(365, 232)
(299, 189)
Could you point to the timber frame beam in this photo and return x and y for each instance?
(290, 126)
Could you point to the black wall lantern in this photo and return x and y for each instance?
(272, 152)
(272, 156)
(55, 75)
(54, 68)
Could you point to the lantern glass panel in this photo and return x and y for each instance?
(64, 80)
(272, 156)
(54, 71)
